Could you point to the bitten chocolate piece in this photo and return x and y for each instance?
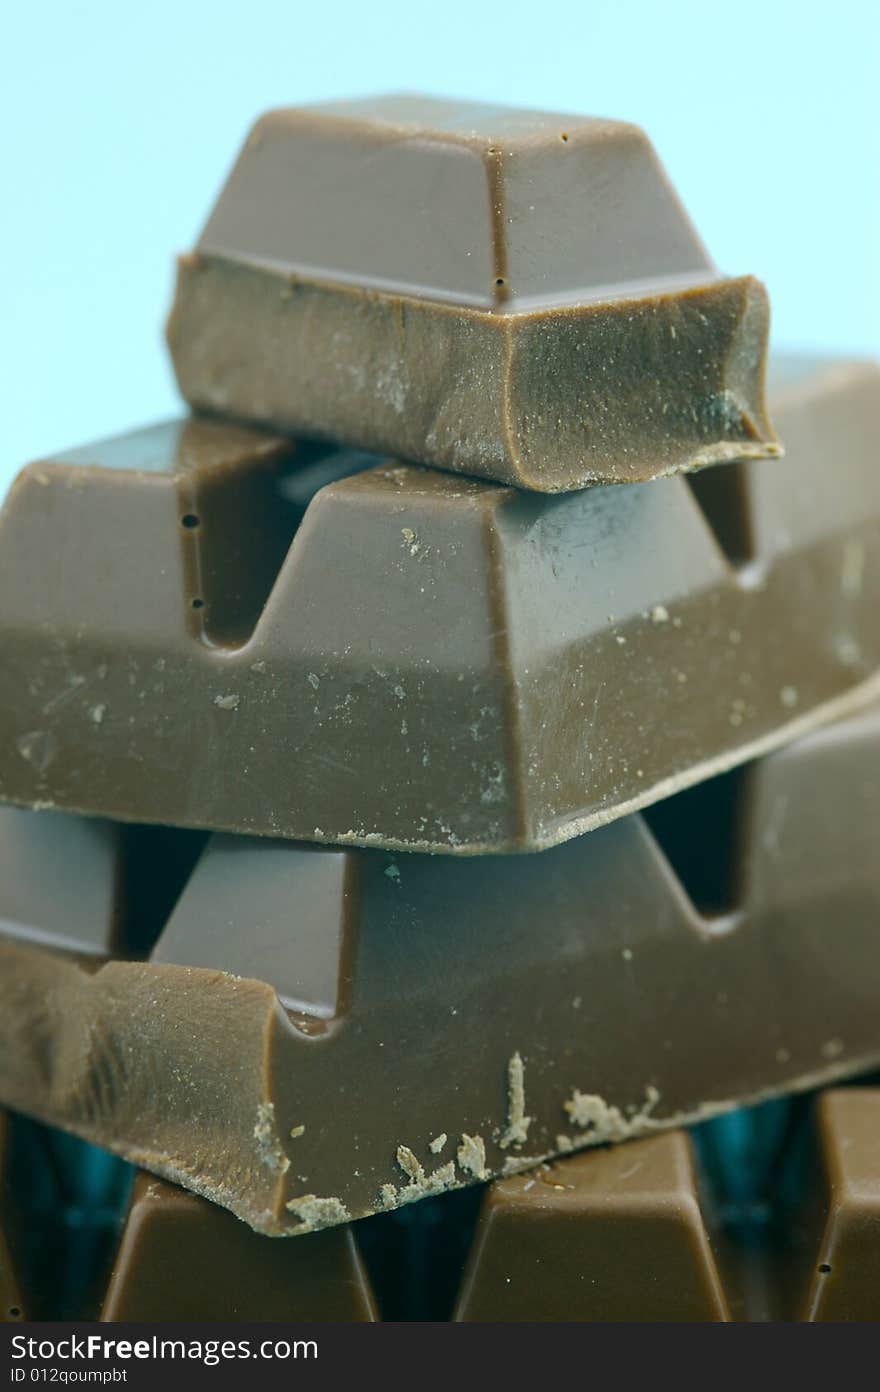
(614, 1235)
(182, 1258)
(322, 1034)
(512, 294)
(192, 635)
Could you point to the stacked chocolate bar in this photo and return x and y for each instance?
(379, 828)
(773, 1218)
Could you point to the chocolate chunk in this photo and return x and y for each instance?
(440, 664)
(840, 1240)
(326, 1033)
(613, 1235)
(183, 1258)
(637, 1233)
(512, 294)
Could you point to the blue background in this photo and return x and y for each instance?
(119, 121)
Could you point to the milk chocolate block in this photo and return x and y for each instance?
(183, 1258)
(512, 294)
(617, 1234)
(839, 1242)
(321, 1034)
(170, 1255)
(638, 1233)
(423, 662)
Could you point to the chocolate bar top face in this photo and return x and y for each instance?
(128, 880)
(640, 1233)
(507, 294)
(845, 1279)
(327, 1034)
(179, 449)
(492, 207)
(181, 1257)
(609, 1235)
(261, 636)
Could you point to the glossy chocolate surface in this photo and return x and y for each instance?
(182, 1258)
(640, 1232)
(842, 1232)
(511, 294)
(596, 1237)
(443, 200)
(194, 635)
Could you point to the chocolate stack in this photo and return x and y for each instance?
(284, 721)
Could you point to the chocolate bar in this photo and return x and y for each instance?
(182, 1258)
(837, 1242)
(637, 1233)
(321, 1034)
(424, 662)
(762, 1215)
(509, 294)
(614, 1235)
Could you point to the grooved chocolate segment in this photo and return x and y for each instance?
(613, 1235)
(763, 1229)
(192, 510)
(441, 664)
(183, 1258)
(845, 1280)
(269, 910)
(449, 1021)
(511, 294)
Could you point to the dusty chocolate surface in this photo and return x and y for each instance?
(193, 635)
(766, 1214)
(510, 294)
(840, 1229)
(640, 1232)
(322, 1034)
